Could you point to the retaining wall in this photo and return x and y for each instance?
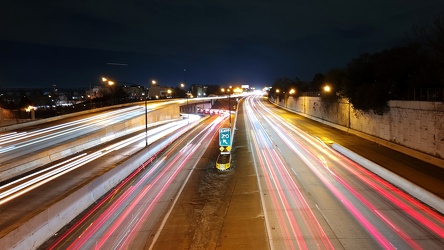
(34, 232)
(41, 227)
(412, 127)
(416, 191)
(27, 163)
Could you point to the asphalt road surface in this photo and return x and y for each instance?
(280, 194)
(288, 189)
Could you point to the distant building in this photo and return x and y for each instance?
(42, 96)
(160, 92)
(199, 90)
(97, 91)
(135, 92)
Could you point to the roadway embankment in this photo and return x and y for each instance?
(5, 126)
(413, 172)
(414, 190)
(416, 167)
(36, 230)
(29, 162)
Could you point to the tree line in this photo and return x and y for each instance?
(371, 80)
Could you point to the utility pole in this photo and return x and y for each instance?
(146, 117)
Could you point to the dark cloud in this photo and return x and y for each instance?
(217, 41)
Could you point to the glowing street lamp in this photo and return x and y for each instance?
(237, 90)
(327, 88)
(153, 82)
(29, 108)
(110, 83)
(287, 94)
(182, 85)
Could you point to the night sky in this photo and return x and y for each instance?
(74, 43)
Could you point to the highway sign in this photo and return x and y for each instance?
(224, 137)
(225, 150)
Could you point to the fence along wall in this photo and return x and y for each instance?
(413, 124)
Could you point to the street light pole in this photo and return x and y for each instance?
(285, 98)
(349, 113)
(146, 112)
(186, 96)
(229, 107)
(146, 118)
(188, 111)
(90, 97)
(184, 76)
(290, 93)
(229, 102)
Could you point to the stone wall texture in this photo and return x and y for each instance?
(413, 124)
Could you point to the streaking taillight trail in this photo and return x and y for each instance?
(344, 179)
(296, 225)
(124, 214)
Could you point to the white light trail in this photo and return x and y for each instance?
(41, 177)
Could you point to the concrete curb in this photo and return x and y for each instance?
(414, 190)
(56, 118)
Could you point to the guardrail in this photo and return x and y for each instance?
(414, 190)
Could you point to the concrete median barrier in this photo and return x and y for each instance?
(409, 187)
(42, 226)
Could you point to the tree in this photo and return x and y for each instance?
(213, 89)
(431, 39)
(119, 93)
(25, 102)
(318, 82)
(362, 87)
(373, 79)
(283, 85)
(179, 92)
(431, 36)
(335, 79)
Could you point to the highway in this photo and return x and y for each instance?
(26, 196)
(29, 140)
(21, 185)
(128, 216)
(19, 143)
(314, 197)
(28, 148)
(311, 196)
